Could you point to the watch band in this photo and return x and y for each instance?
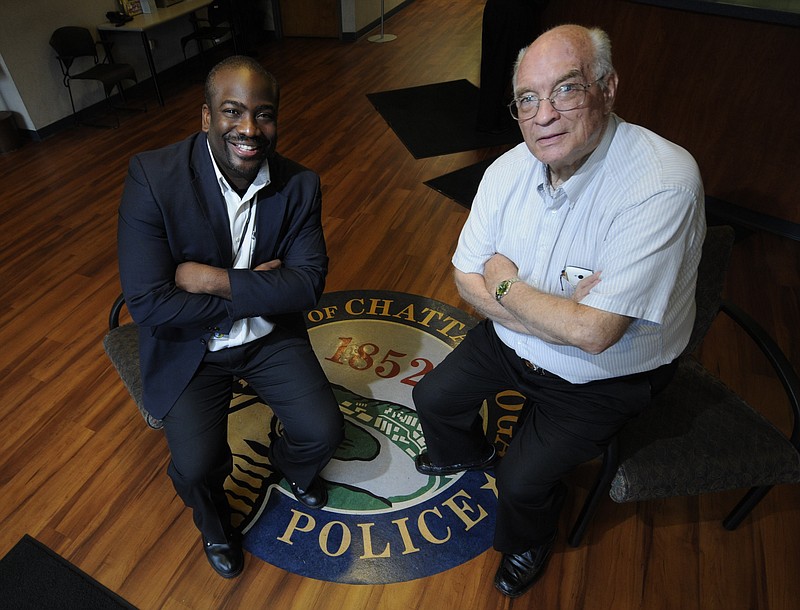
(503, 288)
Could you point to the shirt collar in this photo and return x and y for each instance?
(577, 183)
(261, 180)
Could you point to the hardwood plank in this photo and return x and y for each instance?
(81, 472)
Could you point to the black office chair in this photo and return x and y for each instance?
(698, 436)
(72, 43)
(217, 24)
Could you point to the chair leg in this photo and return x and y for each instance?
(111, 105)
(601, 485)
(72, 103)
(123, 102)
(122, 97)
(202, 53)
(77, 117)
(745, 505)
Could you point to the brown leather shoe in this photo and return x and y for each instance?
(424, 466)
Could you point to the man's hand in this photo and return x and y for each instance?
(585, 286)
(198, 278)
(269, 265)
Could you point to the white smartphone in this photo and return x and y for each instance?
(575, 274)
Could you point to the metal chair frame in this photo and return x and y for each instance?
(217, 13)
(72, 43)
(613, 461)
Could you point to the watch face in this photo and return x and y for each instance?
(503, 287)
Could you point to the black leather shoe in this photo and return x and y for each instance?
(316, 496)
(227, 558)
(424, 466)
(517, 573)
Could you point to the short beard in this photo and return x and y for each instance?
(248, 173)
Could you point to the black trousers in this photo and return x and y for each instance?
(565, 425)
(284, 371)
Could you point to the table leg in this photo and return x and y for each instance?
(152, 65)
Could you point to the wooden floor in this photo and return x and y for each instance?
(80, 472)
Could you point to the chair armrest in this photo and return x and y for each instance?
(116, 309)
(777, 359)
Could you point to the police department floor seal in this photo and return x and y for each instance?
(384, 522)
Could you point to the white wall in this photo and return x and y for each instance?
(367, 11)
(9, 96)
(31, 82)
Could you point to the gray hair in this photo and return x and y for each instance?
(601, 62)
(600, 66)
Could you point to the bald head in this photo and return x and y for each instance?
(233, 64)
(590, 47)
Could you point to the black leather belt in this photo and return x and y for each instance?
(658, 378)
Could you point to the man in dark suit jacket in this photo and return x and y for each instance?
(220, 250)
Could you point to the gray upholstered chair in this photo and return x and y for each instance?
(122, 347)
(698, 436)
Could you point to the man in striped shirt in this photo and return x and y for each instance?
(581, 251)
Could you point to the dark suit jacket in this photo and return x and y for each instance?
(173, 211)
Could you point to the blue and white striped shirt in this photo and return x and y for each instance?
(634, 210)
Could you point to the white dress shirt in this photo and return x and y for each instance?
(242, 215)
(634, 211)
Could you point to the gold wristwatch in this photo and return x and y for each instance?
(503, 288)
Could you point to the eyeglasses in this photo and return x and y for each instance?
(568, 96)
